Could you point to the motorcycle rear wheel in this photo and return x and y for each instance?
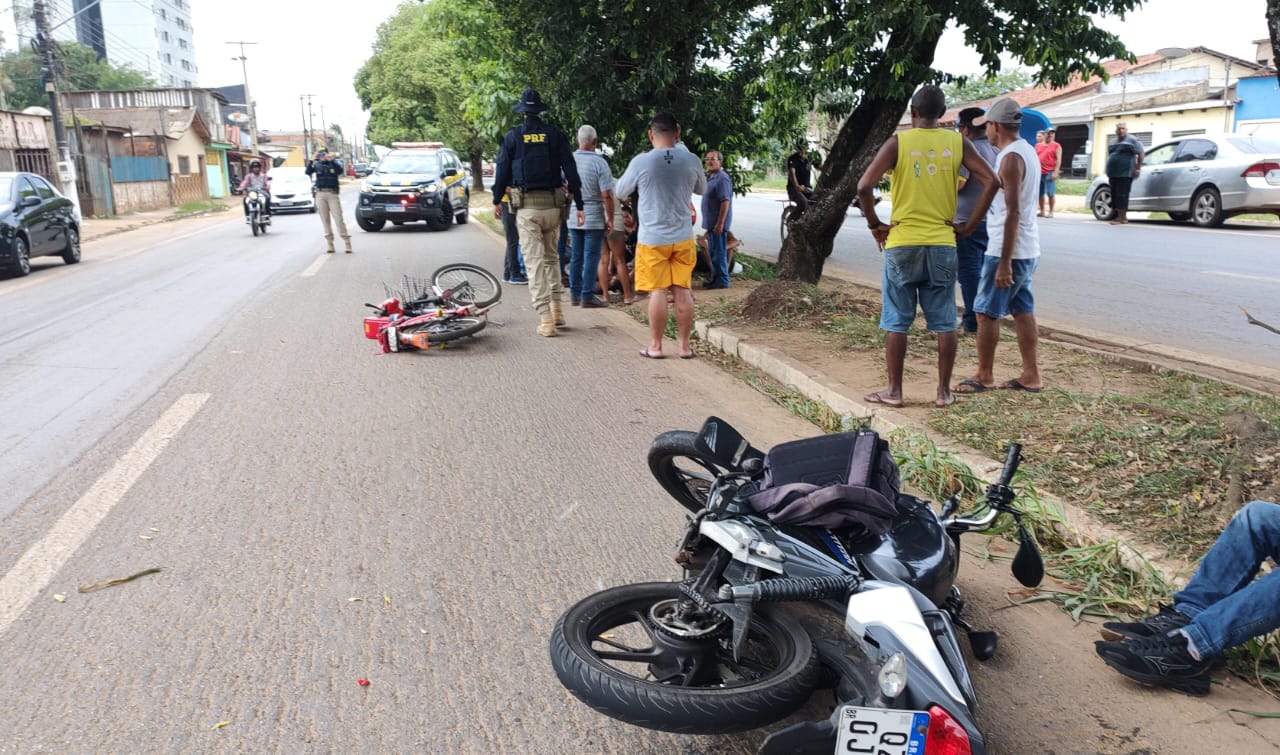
(711, 694)
(681, 469)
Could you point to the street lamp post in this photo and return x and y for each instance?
(253, 121)
(306, 133)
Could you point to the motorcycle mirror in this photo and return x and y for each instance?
(1028, 567)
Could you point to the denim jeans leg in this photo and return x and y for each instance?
(511, 265)
(969, 254)
(591, 239)
(1227, 607)
(717, 248)
(562, 248)
(576, 239)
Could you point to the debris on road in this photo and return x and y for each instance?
(363, 682)
(219, 725)
(60, 598)
(120, 581)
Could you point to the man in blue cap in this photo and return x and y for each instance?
(531, 162)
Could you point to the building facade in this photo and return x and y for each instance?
(154, 37)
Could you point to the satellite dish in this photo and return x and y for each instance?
(238, 118)
(37, 110)
(1173, 52)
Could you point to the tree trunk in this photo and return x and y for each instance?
(1273, 28)
(477, 170)
(812, 237)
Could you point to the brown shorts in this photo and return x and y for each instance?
(661, 267)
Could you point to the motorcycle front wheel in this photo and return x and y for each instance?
(634, 654)
(681, 469)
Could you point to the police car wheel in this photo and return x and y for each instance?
(371, 225)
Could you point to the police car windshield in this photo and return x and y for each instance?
(409, 163)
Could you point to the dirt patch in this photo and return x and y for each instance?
(1165, 455)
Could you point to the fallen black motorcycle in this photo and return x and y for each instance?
(804, 569)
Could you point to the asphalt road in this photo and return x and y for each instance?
(194, 399)
(1156, 281)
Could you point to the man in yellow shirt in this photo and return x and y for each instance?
(919, 242)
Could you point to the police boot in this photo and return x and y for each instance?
(557, 314)
(347, 240)
(547, 324)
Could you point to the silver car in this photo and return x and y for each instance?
(1204, 179)
(292, 191)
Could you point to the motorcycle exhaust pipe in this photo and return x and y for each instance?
(792, 588)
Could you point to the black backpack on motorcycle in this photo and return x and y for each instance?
(842, 481)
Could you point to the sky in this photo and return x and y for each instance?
(302, 49)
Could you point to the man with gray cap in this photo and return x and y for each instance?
(1012, 254)
(972, 248)
(531, 160)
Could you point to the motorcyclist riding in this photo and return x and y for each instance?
(255, 179)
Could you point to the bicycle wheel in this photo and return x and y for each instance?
(786, 217)
(469, 284)
(446, 329)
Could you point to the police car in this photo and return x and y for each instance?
(415, 181)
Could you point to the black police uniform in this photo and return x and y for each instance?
(326, 173)
(531, 159)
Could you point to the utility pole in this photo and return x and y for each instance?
(311, 116)
(325, 126)
(66, 169)
(248, 98)
(306, 134)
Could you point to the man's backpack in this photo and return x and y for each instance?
(842, 481)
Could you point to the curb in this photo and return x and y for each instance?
(1082, 529)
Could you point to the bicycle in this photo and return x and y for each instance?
(453, 304)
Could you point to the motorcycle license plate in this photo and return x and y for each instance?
(877, 731)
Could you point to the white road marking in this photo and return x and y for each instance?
(41, 562)
(1243, 276)
(314, 267)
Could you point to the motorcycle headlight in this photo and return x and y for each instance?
(253, 195)
(893, 676)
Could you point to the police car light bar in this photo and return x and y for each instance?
(417, 145)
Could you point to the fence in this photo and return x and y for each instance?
(126, 169)
(189, 189)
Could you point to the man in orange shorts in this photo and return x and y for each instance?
(666, 178)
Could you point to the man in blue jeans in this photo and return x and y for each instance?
(971, 249)
(717, 216)
(1221, 607)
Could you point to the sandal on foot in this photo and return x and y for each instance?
(1015, 385)
(650, 355)
(879, 398)
(971, 386)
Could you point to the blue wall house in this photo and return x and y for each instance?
(1258, 106)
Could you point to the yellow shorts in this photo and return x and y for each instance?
(661, 267)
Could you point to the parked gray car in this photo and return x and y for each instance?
(1204, 179)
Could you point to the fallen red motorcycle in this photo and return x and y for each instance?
(454, 303)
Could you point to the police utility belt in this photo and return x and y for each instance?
(538, 199)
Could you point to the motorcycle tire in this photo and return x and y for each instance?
(683, 471)
(253, 224)
(448, 329)
(470, 284)
(779, 683)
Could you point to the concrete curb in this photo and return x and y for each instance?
(1082, 529)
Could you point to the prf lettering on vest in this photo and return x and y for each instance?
(534, 138)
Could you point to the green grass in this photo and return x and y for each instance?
(197, 207)
(1076, 187)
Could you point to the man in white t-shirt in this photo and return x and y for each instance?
(666, 177)
(1013, 252)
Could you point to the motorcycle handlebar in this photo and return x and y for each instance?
(1011, 463)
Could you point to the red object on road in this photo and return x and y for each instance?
(363, 682)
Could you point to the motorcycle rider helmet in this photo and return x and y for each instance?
(255, 165)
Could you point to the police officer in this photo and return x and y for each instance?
(531, 160)
(326, 170)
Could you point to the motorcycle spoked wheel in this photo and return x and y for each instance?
(626, 653)
(681, 469)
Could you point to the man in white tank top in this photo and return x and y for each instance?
(1013, 253)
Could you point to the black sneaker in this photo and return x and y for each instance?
(1165, 621)
(1160, 661)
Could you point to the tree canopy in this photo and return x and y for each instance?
(736, 74)
(79, 68)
